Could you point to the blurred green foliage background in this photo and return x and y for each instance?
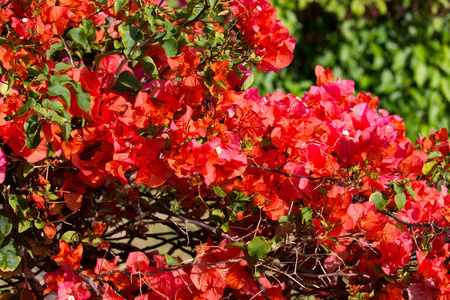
(398, 50)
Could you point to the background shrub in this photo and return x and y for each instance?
(399, 50)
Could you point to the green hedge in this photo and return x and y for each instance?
(399, 50)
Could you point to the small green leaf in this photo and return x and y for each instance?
(283, 219)
(429, 167)
(170, 46)
(398, 188)
(378, 200)
(70, 236)
(39, 224)
(32, 128)
(219, 192)
(52, 197)
(66, 129)
(411, 192)
(240, 245)
(127, 81)
(24, 224)
(258, 247)
(171, 261)
(435, 154)
(27, 169)
(131, 35)
(420, 74)
(62, 79)
(5, 225)
(277, 241)
(9, 255)
(400, 200)
(389, 278)
(445, 88)
(56, 89)
(88, 27)
(23, 109)
(307, 213)
(196, 11)
(19, 205)
(213, 4)
(62, 67)
(217, 216)
(150, 12)
(148, 65)
(248, 82)
(119, 4)
(83, 98)
(53, 48)
(79, 37)
(54, 105)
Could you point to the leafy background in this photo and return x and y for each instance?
(398, 50)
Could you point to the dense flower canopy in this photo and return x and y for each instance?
(117, 116)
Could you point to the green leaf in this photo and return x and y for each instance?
(9, 255)
(213, 4)
(27, 170)
(217, 216)
(54, 105)
(148, 65)
(307, 213)
(62, 79)
(32, 128)
(127, 81)
(79, 37)
(196, 11)
(400, 200)
(445, 88)
(248, 82)
(435, 154)
(150, 12)
(24, 224)
(276, 241)
(70, 236)
(56, 89)
(378, 200)
(420, 74)
(88, 27)
(357, 7)
(411, 192)
(171, 261)
(169, 31)
(398, 188)
(283, 219)
(258, 247)
(240, 245)
(23, 109)
(53, 48)
(119, 4)
(19, 204)
(429, 167)
(5, 225)
(131, 35)
(52, 197)
(83, 98)
(66, 129)
(62, 67)
(39, 224)
(35, 70)
(219, 192)
(170, 46)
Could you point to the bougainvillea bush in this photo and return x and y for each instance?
(127, 126)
